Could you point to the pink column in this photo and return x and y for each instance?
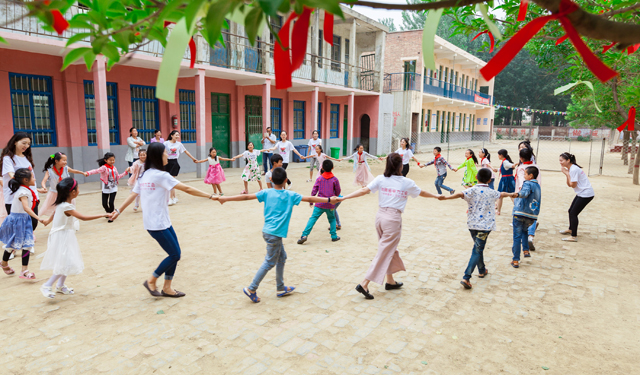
(350, 119)
(201, 121)
(266, 105)
(102, 111)
(314, 109)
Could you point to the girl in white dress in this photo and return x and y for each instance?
(251, 171)
(63, 253)
(55, 169)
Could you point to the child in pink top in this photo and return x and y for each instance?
(109, 177)
(136, 170)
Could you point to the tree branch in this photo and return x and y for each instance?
(614, 89)
(621, 10)
(418, 6)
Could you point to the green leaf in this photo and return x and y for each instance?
(160, 312)
(270, 7)
(284, 7)
(170, 66)
(77, 38)
(73, 56)
(110, 64)
(122, 39)
(482, 8)
(98, 43)
(98, 19)
(331, 6)
(116, 9)
(2, 40)
(191, 12)
(169, 9)
(564, 88)
(428, 37)
(89, 58)
(110, 51)
(79, 24)
(252, 22)
(215, 18)
(155, 34)
(545, 368)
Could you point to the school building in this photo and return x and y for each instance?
(226, 101)
(452, 103)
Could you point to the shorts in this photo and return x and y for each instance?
(172, 167)
(315, 163)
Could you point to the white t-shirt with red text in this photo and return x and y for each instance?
(394, 191)
(154, 188)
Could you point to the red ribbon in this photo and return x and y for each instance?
(631, 121)
(35, 199)
(490, 37)
(281, 57)
(562, 39)
(328, 27)
(518, 41)
(299, 39)
(59, 23)
(192, 47)
(631, 49)
(522, 13)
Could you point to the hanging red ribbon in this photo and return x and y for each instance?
(608, 47)
(631, 121)
(490, 37)
(522, 13)
(59, 23)
(633, 48)
(192, 47)
(282, 60)
(299, 38)
(561, 39)
(518, 41)
(328, 27)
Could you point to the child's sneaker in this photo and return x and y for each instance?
(531, 245)
(64, 289)
(46, 292)
(452, 192)
(302, 240)
(287, 290)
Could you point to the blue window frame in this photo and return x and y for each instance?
(144, 111)
(276, 116)
(298, 119)
(187, 115)
(90, 112)
(319, 119)
(32, 108)
(334, 120)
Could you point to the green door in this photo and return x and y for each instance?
(253, 122)
(345, 130)
(220, 126)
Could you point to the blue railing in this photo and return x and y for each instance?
(402, 82)
(449, 90)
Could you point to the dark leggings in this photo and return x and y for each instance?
(25, 257)
(34, 222)
(284, 166)
(405, 169)
(108, 202)
(577, 206)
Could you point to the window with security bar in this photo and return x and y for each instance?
(336, 53)
(187, 115)
(112, 111)
(333, 120)
(276, 116)
(298, 119)
(144, 111)
(32, 108)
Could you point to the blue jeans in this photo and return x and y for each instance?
(276, 256)
(317, 212)
(520, 242)
(335, 211)
(440, 184)
(532, 228)
(491, 183)
(169, 242)
(266, 160)
(477, 256)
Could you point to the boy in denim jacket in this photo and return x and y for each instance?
(525, 211)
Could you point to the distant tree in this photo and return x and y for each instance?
(388, 22)
(413, 20)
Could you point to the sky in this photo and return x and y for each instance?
(377, 14)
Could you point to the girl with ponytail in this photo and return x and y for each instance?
(485, 162)
(578, 180)
(55, 170)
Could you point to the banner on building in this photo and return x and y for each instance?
(479, 99)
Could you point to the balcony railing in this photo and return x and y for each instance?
(402, 82)
(411, 82)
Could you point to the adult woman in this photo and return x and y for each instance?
(174, 149)
(394, 189)
(284, 148)
(313, 142)
(153, 187)
(15, 155)
(578, 180)
(407, 154)
(134, 142)
(157, 137)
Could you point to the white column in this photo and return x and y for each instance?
(201, 120)
(314, 109)
(266, 105)
(353, 59)
(350, 121)
(102, 108)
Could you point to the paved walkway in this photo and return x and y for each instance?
(572, 308)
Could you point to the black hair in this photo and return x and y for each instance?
(132, 129)
(525, 154)
(211, 149)
(532, 171)
(106, 157)
(527, 144)
(251, 143)
(438, 149)
(357, 147)
(142, 150)
(505, 154)
(283, 131)
(154, 159)
(484, 175)
(171, 134)
(156, 131)
(473, 155)
(10, 149)
(315, 131)
(276, 158)
(327, 166)
(19, 177)
(279, 176)
(394, 165)
(570, 157)
(321, 150)
(406, 140)
(52, 159)
(486, 153)
(65, 188)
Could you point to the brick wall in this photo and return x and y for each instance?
(399, 45)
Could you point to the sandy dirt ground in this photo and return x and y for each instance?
(570, 309)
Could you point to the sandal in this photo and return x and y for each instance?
(26, 274)
(364, 292)
(515, 264)
(527, 254)
(570, 239)
(482, 275)
(466, 284)
(287, 290)
(252, 296)
(8, 270)
(175, 295)
(64, 289)
(566, 231)
(46, 292)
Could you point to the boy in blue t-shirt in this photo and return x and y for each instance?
(278, 205)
